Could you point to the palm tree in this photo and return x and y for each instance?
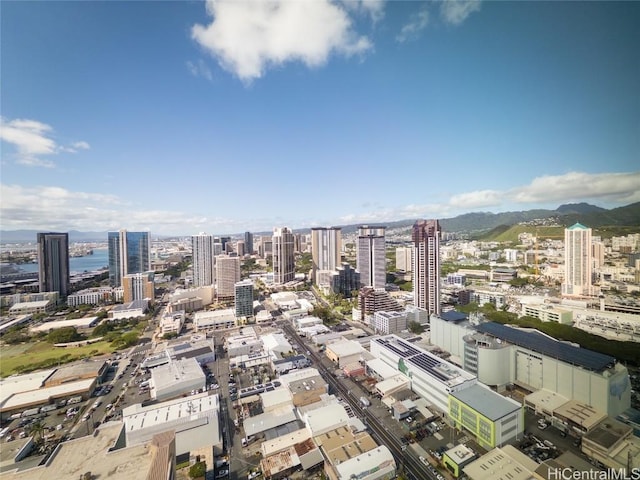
(36, 429)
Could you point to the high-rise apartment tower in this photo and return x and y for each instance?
(578, 261)
(53, 263)
(227, 275)
(371, 261)
(203, 260)
(326, 244)
(283, 258)
(426, 265)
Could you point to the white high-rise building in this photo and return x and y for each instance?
(371, 261)
(403, 259)
(227, 275)
(578, 261)
(325, 250)
(284, 268)
(426, 265)
(203, 260)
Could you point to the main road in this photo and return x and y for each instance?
(412, 466)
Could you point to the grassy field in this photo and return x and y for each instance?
(28, 357)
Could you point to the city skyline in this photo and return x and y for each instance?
(437, 109)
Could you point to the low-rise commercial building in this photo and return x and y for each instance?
(84, 323)
(350, 455)
(176, 378)
(389, 322)
(504, 463)
(172, 323)
(214, 320)
(308, 390)
(91, 296)
(456, 458)
(39, 306)
(283, 365)
(492, 419)
(613, 444)
(194, 419)
(134, 309)
(344, 352)
(96, 456)
(276, 344)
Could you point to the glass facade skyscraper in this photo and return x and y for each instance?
(129, 252)
(53, 263)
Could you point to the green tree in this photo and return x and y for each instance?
(102, 329)
(64, 335)
(36, 429)
(304, 263)
(198, 470)
(415, 327)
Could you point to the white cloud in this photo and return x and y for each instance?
(248, 37)
(580, 186)
(56, 208)
(200, 69)
(372, 8)
(477, 199)
(602, 189)
(455, 12)
(81, 145)
(32, 140)
(417, 22)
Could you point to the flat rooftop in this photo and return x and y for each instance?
(460, 454)
(85, 322)
(278, 444)
(546, 400)
(137, 417)
(319, 419)
(23, 383)
(42, 395)
(307, 384)
(425, 361)
(70, 459)
(267, 421)
(487, 402)
(378, 459)
(341, 444)
(580, 413)
(343, 348)
(505, 463)
(608, 433)
(76, 370)
(177, 371)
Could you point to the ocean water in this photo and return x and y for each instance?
(97, 261)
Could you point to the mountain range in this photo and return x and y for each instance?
(475, 222)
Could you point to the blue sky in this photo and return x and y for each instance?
(180, 117)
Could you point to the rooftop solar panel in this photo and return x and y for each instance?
(428, 364)
(539, 343)
(399, 347)
(453, 316)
